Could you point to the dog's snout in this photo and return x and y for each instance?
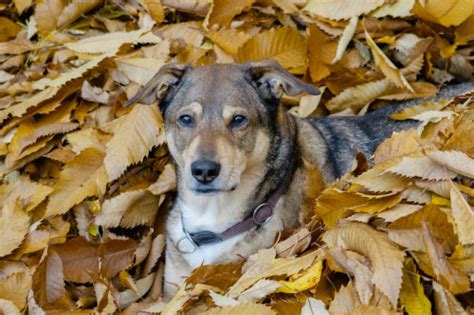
(205, 171)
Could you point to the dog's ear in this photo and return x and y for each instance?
(272, 80)
(158, 87)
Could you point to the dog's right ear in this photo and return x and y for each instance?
(158, 87)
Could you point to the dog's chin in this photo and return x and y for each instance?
(210, 191)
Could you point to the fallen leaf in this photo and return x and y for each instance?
(463, 216)
(135, 135)
(14, 223)
(341, 9)
(285, 45)
(222, 12)
(412, 295)
(83, 177)
(385, 257)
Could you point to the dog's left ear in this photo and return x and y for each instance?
(272, 80)
(159, 86)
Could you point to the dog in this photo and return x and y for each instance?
(239, 157)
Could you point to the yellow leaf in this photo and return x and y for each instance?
(454, 279)
(444, 12)
(107, 42)
(75, 73)
(21, 5)
(346, 38)
(156, 10)
(229, 39)
(440, 201)
(412, 223)
(15, 283)
(166, 182)
(412, 295)
(129, 209)
(309, 103)
(46, 15)
(392, 73)
(279, 266)
(246, 308)
(18, 109)
(136, 134)
(285, 45)
(463, 258)
(445, 302)
(321, 52)
(455, 161)
(423, 167)
(412, 111)
(465, 32)
(83, 177)
(385, 257)
(341, 9)
(397, 8)
(140, 70)
(14, 223)
(358, 96)
(75, 9)
(29, 193)
(304, 281)
(463, 217)
(223, 11)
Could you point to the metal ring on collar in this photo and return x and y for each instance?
(180, 244)
(257, 209)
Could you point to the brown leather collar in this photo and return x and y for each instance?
(260, 216)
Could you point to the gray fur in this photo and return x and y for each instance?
(329, 143)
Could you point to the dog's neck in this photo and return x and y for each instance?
(220, 211)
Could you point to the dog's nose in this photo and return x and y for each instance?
(205, 171)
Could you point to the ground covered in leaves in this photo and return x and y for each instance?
(85, 184)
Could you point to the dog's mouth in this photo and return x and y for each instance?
(212, 191)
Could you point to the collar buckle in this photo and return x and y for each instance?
(261, 207)
(186, 245)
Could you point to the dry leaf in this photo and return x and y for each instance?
(222, 12)
(463, 216)
(285, 45)
(83, 177)
(135, 135)
(14, 223)
(341, 9)
(385, 257)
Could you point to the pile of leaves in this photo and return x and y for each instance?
(85, 184)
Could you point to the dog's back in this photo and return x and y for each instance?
(345, 136)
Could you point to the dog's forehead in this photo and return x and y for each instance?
(216, 85)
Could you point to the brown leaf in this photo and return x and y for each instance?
(455, 280)
(463, 215)
(285, 45)
(222, 11)
(48, 280)
(246, 308)
(116, 255)
(74, 10)
(321, 51)
(46, 15)
(14, 224)
(129, 209)
(135, 135)
(386, 258)
(83, 177)
(15, 283)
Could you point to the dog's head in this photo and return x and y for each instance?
(220, 119)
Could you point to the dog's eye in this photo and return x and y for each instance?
(185, 121)
(238, 121)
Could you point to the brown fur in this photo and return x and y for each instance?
(254, 159)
